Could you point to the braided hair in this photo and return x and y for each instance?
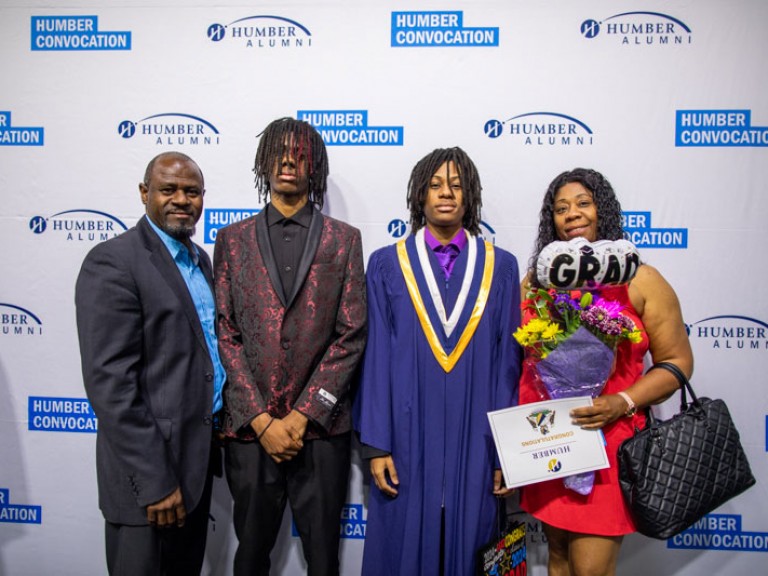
(609, 226)
(418, 187)
(300, 140)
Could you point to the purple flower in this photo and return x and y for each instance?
(627, 323)
(610, 308)
(564, 300)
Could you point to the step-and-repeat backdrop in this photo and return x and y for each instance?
(667, 98)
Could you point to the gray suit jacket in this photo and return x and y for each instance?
(147, 373)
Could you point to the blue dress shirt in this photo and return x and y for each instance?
(188, 264)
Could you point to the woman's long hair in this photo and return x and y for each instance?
(609, 225)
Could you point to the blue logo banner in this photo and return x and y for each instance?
(61, 415)
(216, 218)
(350, 128)
(638, 230)
(17, 136)
(438, 29)
(18, 513)
(719, 532)
(56, 33)
(724, 128)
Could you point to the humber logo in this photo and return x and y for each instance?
(444, 29)
(48, 414)
(263, 31)
(718, 128)
(638, 230)
(350, 128)
(730, 332)
(487, 232)
(18, 321)
(172, 129)
(352, 526)
(51, 33)
(18, 136)
(79, 225)
(542, 129)
(397, 228)
(720, 532)
(217, 218)
(18, 513)
(639, 28)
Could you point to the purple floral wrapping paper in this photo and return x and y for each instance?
(579, 366)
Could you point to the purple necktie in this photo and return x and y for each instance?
(446, 257)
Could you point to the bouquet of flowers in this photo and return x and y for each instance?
(572, 340)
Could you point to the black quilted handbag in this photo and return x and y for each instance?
(673, 472)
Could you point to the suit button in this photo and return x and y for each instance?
(208, 376)
(207, 420)
(285, 344)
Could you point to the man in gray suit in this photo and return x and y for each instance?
(146, 325)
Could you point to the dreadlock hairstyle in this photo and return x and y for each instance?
(418, 187)
(296, 138)
(608, 211)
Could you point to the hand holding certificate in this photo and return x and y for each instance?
(537, 442)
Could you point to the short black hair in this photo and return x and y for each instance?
(171, 154)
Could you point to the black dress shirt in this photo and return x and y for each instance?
(288, 237)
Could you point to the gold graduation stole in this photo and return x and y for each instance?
(447, 361)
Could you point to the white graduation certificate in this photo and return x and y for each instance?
(537, 442)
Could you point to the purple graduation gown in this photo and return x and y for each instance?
(434, 423)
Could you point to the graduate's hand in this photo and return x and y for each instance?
(498, 485)
(380, 468)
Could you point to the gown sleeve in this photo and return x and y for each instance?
(373, 407)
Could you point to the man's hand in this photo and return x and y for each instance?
(297, 423)
(277, 438)
(380, 468)
(168, 512)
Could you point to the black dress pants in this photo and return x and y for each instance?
(150, 551)
(315, 485)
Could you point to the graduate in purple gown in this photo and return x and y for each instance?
(443, 305)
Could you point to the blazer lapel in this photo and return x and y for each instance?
(161, 259)
(265, 249)
(308, 256)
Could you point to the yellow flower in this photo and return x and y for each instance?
(551, 331)
(635, 336)
(537, 325)
(522, 336)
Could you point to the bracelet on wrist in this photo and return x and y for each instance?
(265, 429)
(631, 406)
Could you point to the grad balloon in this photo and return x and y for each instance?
(581, 264)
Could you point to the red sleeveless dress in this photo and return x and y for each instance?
(603, 512)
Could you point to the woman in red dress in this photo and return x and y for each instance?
(584, 533)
